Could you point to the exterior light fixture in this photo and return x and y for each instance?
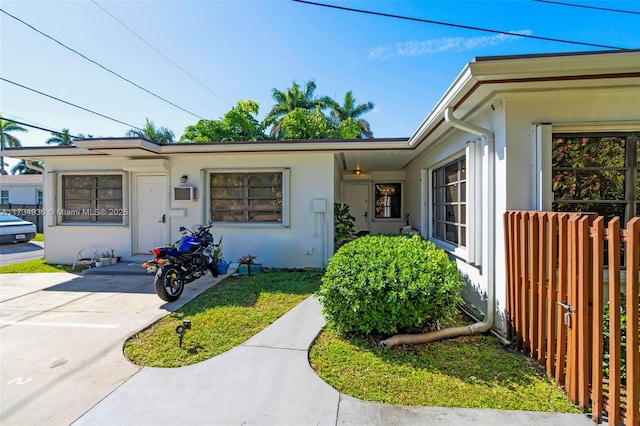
(357, 171)
(184, 179)
(182, 329)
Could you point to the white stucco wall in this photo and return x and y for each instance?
(455, 144)
(20, 188)
(589, 109)
(512, 120)
(275, 246)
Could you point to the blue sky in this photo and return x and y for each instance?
(243, 49)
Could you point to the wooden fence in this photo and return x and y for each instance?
(564, 283)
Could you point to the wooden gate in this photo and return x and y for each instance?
(567, 276)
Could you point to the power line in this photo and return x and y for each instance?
(162, 54)
(607, 9)
(466, 27)
(98, 64)
(41, 128)
(69, 103)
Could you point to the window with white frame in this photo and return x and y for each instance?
(39, 196)
(449, 204)
(597, 172)
(256, 197)
(92, 199)
(4, 196)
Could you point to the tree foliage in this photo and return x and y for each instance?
(296, 115)
(7, 139)
(61, 139)
(151, 133)
(351, 111)
(290, 100)
(238, 124)
(313, 124)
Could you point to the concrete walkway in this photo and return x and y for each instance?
(268, 381)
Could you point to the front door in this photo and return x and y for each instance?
(356, 195)
(151, 212)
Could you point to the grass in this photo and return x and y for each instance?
(39, 237)
(467, 372)
(222, 317)
(36, 265)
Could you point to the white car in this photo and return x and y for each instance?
(15, 230)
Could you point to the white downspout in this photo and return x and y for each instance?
(30, 164)
(486, 324)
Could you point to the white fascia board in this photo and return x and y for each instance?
(285, 146)
(557, 66)
(117, 143)
(40, 153)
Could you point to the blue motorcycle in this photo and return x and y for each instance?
(188, 259)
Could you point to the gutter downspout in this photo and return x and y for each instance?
(487, 323)
(30, 164)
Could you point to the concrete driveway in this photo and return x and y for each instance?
(21, 252)
(61, 340)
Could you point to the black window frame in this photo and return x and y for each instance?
(630, 170)
(388, 201)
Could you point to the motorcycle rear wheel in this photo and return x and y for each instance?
(168, 285)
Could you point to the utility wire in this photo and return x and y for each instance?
(41, 128)
(162, 54)
(466, 27)
(98, 64)
(607, 9)
(69, 103)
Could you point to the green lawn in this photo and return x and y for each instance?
(37, 265)
(222, 317)
(467, 372)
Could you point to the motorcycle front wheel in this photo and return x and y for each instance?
(168, 285)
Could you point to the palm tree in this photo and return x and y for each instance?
(7, 140)
(61, 139)
(291, 100)
(22, 169)
(350, 110)
(159, 135)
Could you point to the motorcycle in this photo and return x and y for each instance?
(188, 259)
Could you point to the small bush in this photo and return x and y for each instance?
(389, 283)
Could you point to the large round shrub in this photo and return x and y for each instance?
(389, 283)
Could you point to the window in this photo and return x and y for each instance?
(254, 197)
(388, 200)
(39, 196)
(596, 173)
(449, 203)
(4, 196)
(92, 199)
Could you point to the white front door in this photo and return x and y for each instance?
(356, 195)
(152, 219)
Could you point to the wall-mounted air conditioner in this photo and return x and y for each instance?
(185, 193)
